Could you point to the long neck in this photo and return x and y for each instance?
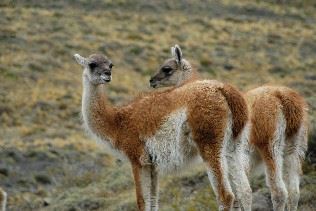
(189, 74)
(98, 115)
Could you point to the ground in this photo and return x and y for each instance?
(46, 160)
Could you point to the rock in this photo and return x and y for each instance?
(14, 154)
(43, 179)
(89, 205)
(279, 71)
(310, 77)
(47, 201)
(228, 67)
(4, 171)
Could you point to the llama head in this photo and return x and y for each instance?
(97, 68)
(173, 71)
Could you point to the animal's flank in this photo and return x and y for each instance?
(293, 107)
(238, 107)
(264, 108)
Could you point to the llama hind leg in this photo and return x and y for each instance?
(294, 153)
(292, 171)
(238, 179)
(221, 187)
(273, 163)
(217, 173)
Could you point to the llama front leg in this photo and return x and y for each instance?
(154, 191)
(145, 178)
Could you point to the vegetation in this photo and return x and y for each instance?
(48, 163)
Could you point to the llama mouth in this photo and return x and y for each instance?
(104, 81)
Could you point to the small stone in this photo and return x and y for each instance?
(43, 179)
(228, 67)
(47, 201)
(4, 171)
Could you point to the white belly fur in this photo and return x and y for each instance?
(172, 148)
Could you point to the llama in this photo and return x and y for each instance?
(165, 131)
(177, 71)
(278, 130)
(3, 199)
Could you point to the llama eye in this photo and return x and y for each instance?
(93, 65)
(167, 70)
(111, 65)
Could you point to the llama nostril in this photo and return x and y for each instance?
(108, 73)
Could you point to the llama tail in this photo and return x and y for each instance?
(238, 107)
(295, 112)
(294, 109)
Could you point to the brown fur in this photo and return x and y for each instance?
(263, 116)
(129, 125)
(179, 72)
(238, 107)
(234, 98)
(143, 117)
(137, 181)
(265, 104)
(293, 107)
(210, 153)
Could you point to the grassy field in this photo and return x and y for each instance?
(46, 160)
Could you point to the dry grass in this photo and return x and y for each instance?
(247, 43)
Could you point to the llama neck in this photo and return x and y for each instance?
(189, 74)
(98, 114)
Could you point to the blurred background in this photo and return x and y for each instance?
(46, 160)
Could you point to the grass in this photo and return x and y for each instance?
(246, 43)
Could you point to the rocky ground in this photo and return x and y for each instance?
(46, 160)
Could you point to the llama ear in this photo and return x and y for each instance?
(173, 52)
(81, 60)
(178, 54)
